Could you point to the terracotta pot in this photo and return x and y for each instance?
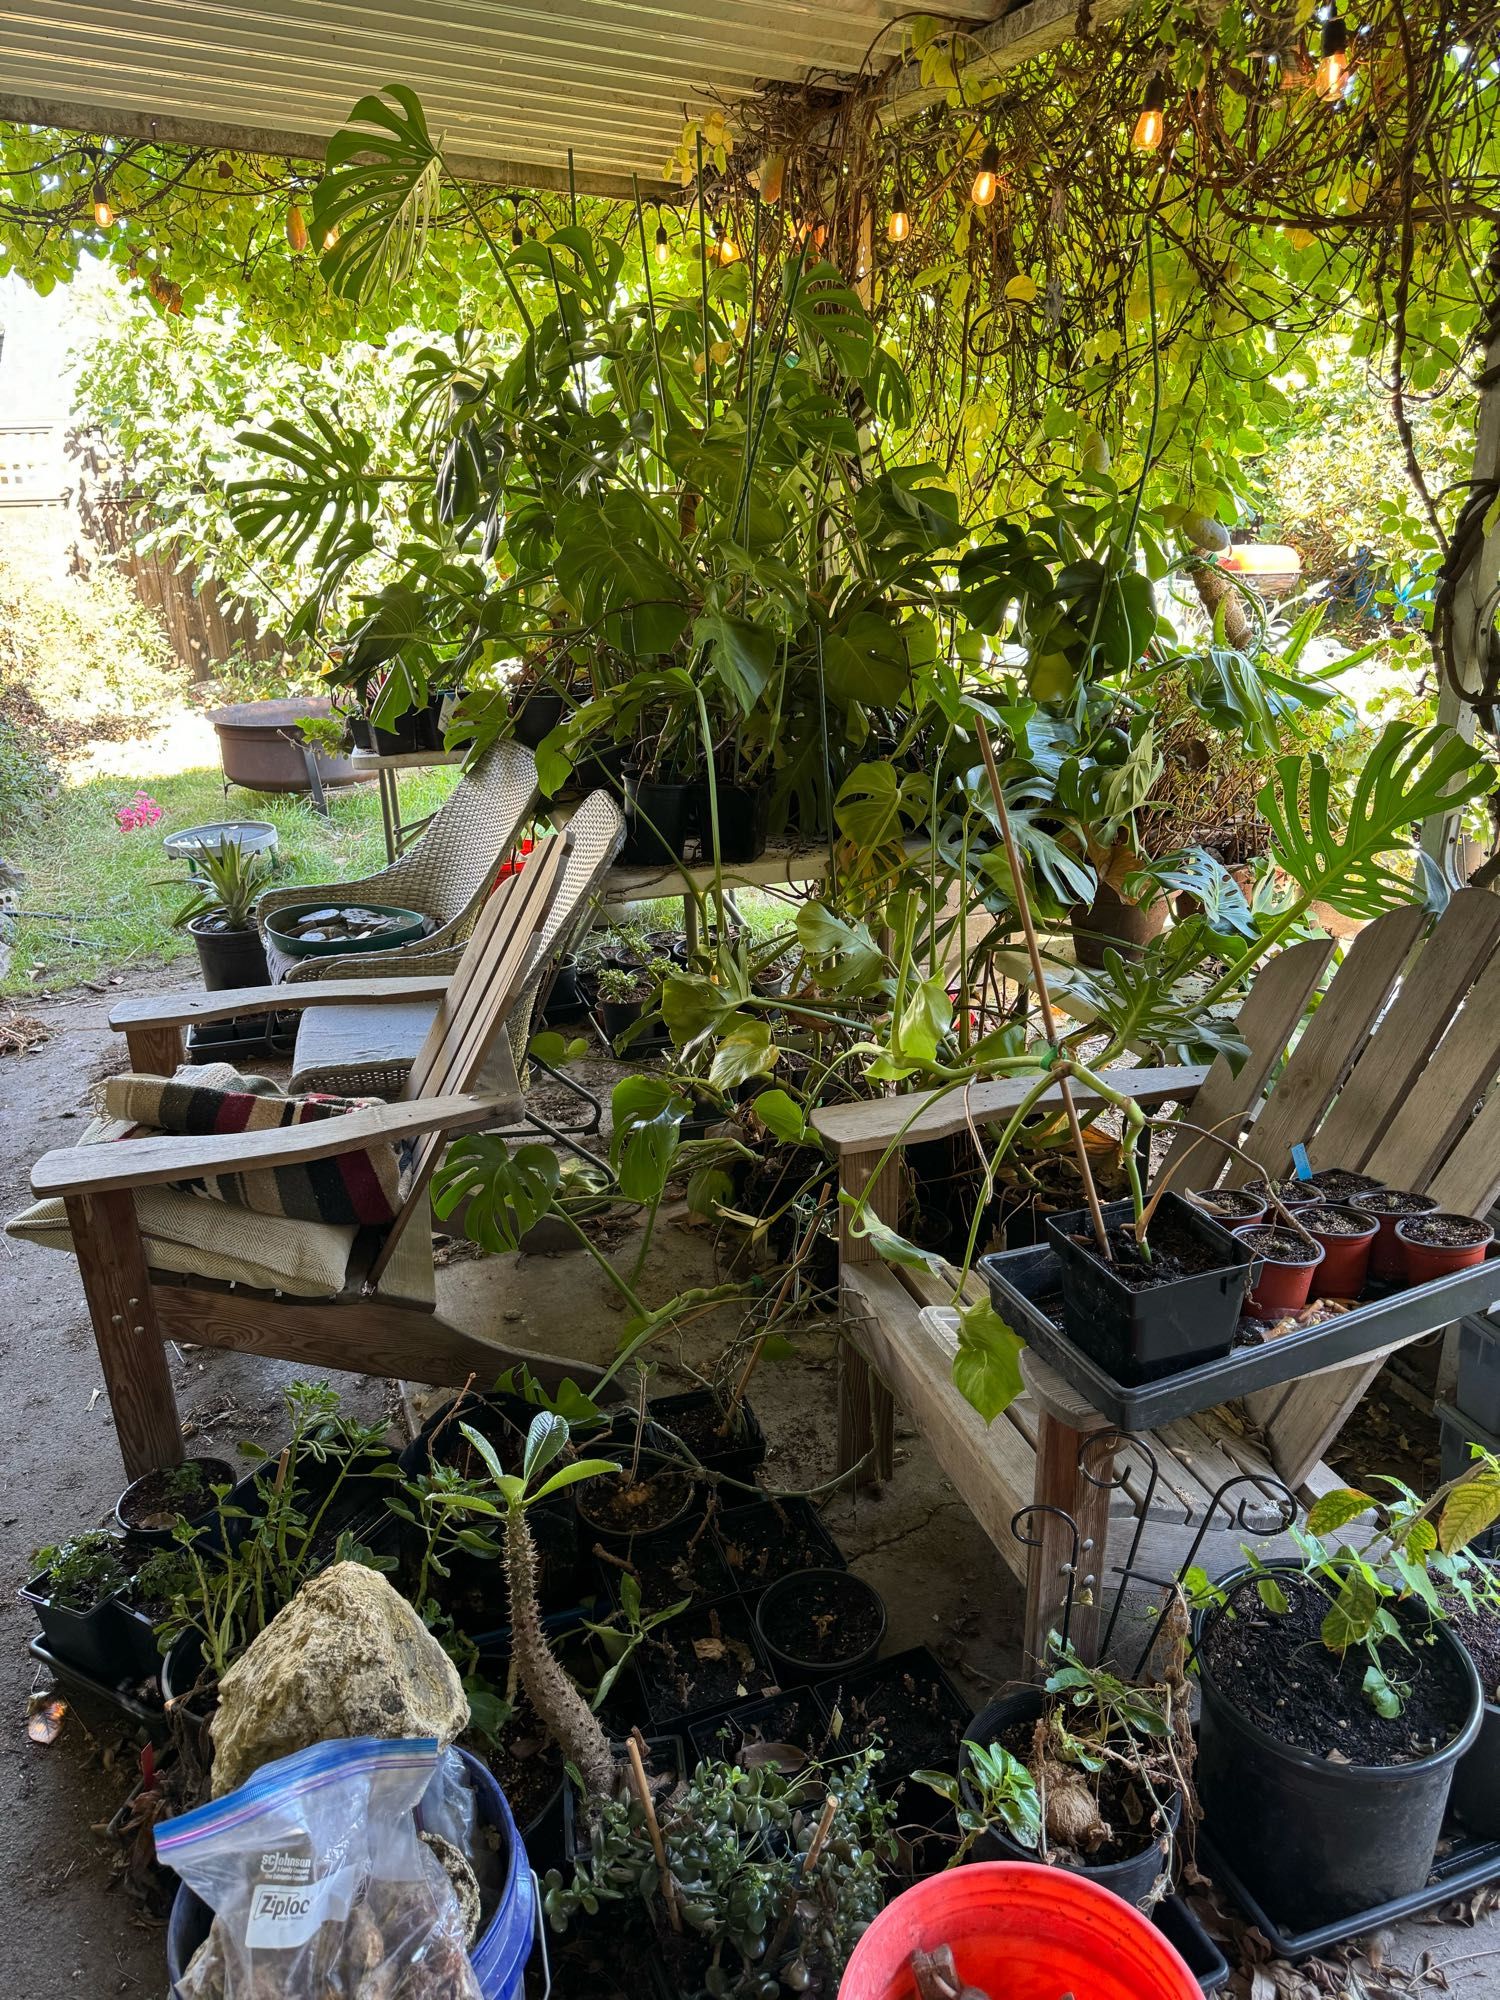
(1276, 1288)
(1111, 921)
(1388, 1253)
(1426, 1261)
(1346, 1259)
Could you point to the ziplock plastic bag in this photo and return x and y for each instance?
(320, 1886)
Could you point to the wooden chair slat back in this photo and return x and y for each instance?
(1440, 1104)
(1469, 1179)
(1273, 1008)
(500, 957)
(1385, 1076)
(1332, 1041)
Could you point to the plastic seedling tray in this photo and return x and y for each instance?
(1463, 1863)
(91, 1692)
(1025, 1288)
(1478, 1392)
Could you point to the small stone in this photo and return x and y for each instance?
(318, 916)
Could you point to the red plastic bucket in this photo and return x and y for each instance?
(1019, 1932)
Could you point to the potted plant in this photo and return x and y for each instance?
(771, 1538)
(1336, 1703)
(1392, 1206)
(1286, 1260)
(1436, 1244)
(1085, 1773)
(1346, 1236)
(1341, 1184)
(817, 1622)
(219, 915)
(721, 1431)
(151, 1507)
(623, 994)
(756, 1883)
(650, 1490)
(1171, 1297)
(1231, 1206)
(145, 1604)
(74, 1600)
(658, 817)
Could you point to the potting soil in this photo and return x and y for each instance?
(1276, 1670)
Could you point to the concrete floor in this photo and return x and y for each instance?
(69, 1931)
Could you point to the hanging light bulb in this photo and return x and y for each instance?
(898, 222)
(517, 236)
(330, 237)
(1332, 72)
(987, 180)
(104, 215)
(663, 247)
(1151, 125)
(729, 250)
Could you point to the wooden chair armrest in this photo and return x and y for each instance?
(137, 1163)
(185, 1010)
(870, 1127)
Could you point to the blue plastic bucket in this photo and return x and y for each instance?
(501, 1950)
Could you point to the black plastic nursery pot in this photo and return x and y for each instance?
(706, 1660)
(744, 821)
(1477, 1393)
(908, 1705)
(771, 1538)
(1142, 1335)
(95, 1641)
(663, 1492)
(618, 1017)
(658, 819)
(1475, 1798)
(536, 712)
(734, 1451)
(565, 1001)
(228, 958)
(144, 1510)
(817, 1622)
(1312, 1838)
(680, 1562)
(793, 1716)
(1131, 1877)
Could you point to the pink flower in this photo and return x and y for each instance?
(140, 811)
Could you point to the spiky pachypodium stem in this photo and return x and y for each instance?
(552, 1694)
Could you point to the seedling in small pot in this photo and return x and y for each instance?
(152, 1505)
(1285, 1263)
(1346, 1236)
(1231, 1206)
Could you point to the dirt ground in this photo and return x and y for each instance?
(71, 1930)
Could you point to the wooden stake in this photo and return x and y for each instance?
(1044, 999)
(643, 1793)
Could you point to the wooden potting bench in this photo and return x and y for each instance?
(1391, 1074)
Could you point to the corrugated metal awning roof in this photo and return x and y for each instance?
(511, 84)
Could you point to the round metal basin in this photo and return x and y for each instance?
(260, 745)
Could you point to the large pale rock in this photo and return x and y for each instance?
(347, 1657)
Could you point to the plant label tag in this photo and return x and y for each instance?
(285, 1913)
(1301, 1166)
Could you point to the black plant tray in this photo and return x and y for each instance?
(1179, 1925)
(90, 1692)
(1018, 1278)
(1468, 1863)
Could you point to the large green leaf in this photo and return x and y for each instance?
(741, 654)
(321, 495)
(864, 660)
(826, 310)
(647, 1115)
(506, 1192)
(1352, 859)
(745, 1050)
(987, 1365)
(377, 196)
(1470, 1508)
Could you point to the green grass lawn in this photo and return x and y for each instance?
(117, 891)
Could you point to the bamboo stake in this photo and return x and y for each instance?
(1044, 999)
(643, 1793)
(809, 1861)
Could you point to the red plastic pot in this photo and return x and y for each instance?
(1387, 1252)
(1254, 1211)
(1276, 1288)
(1346, 1259)
(1019, 1931)
(1425, 1261)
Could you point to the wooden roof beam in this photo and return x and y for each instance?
(1028, 30)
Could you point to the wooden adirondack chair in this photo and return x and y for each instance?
(1391, 1075)
(378, 1314)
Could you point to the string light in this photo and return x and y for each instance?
(1151, 125)
(330, 237)
(898, 223)
(516, 236)
(663, 247)
(104, 215)
(1332, 72)
(987, 180)
(726, 250)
